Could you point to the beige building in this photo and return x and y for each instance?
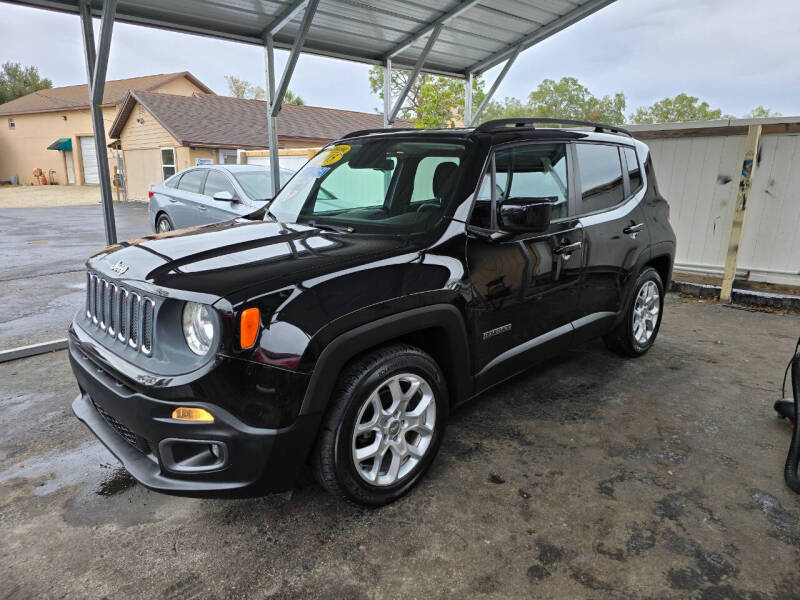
(160, 134)
(59, 118)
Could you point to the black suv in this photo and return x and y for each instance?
(395, 276)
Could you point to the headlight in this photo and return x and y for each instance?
(198, 327)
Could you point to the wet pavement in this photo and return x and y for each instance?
(42, 255)
(591, 476)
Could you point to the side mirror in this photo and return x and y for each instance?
(526, 214)
(223, 196)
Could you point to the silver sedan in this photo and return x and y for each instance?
(209, 194)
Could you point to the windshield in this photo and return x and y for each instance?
(258, 184)
(397, 186)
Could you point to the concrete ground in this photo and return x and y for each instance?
(591, 476)
(42, 254)
(39, 196)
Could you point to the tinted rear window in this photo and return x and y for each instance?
(634, 170)
(601, 177)
(192, 181)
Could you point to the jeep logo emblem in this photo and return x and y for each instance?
(119, 268)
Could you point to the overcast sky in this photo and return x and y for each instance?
(736, 54)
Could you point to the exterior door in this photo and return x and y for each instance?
(189, 204)
(89, 157)
(525, 286)
(70, 167)
(612, 217)
(222, 210)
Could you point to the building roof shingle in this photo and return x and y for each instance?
(73, 97)
(221, 121)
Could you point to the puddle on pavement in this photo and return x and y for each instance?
(118, 481)
(89, 463)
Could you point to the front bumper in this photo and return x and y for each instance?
(159, 452)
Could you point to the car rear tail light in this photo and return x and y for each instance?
(149, 193)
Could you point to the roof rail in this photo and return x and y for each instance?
(361, 132)
(525, 121)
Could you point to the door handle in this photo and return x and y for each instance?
(566, 251)
(632, 230)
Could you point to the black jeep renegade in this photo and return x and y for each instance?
(397, 275)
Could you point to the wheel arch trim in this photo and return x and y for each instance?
(351, 343)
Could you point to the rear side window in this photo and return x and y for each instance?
(634, 170)
(601, 177)
(192, 181)
(217, 182)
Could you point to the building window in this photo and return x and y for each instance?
(167, 162)
(11, 123)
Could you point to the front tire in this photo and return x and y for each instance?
(384, 427)
(637, 332)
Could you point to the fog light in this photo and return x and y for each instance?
(197, 415)
(216, 450)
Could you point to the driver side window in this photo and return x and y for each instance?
(531, 171)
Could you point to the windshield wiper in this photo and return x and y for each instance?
(329, 227)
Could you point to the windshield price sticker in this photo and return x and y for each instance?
(332, 155)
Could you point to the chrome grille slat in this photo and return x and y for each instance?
(125, 315)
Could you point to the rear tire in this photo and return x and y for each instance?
(163, 224)
(637, 331)
(397, 398)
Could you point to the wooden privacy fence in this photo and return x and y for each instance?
(699, 167)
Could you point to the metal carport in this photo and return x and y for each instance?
(458, 38)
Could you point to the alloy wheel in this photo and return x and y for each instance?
(646, 310)
(163, 225)
(394, 429)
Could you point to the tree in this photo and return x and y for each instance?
(17, 81)
(678, 109)
(241, 88)
(760, 112)
(432, 101)
(563, 99)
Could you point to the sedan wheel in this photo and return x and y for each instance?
(163, 225)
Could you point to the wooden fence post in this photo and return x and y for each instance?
(745, 183)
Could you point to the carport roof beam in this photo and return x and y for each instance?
(415, 37)
(415, 73)
(540, 34)
(277, 100)
(365, 30)
(284, 18)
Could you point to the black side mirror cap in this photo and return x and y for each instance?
(530, 214)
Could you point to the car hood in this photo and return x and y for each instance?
(225, 258)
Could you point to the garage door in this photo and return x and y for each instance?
(89, 155)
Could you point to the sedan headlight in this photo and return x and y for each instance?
(198, 327)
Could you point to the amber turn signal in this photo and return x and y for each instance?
(197, 415)
(250, 323)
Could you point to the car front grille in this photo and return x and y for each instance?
(125, 315)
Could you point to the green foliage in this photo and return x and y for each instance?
(432, 101)
(563, 99)
(681, 108)
(17, 81)
(761, 112)
(241, 88)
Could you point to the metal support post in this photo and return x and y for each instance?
(415, 73)
(495, 85)
(468, 99)
(96, 65)
(272, 126)
(387, 92)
